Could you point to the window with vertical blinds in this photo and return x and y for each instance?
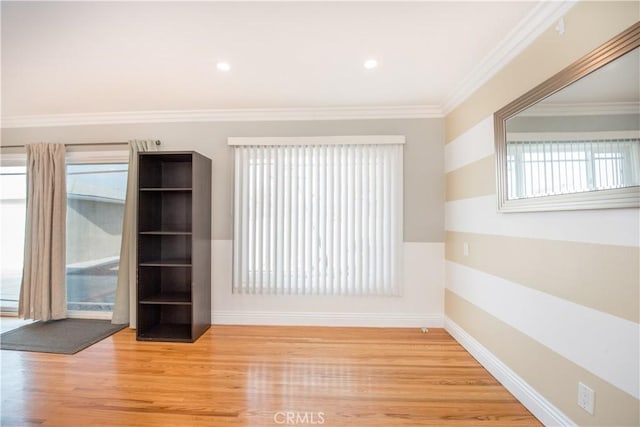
(547, 167)
(319, 215)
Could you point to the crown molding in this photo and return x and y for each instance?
(529, 28)
(228, 115)
(517, 40)
(581, 109)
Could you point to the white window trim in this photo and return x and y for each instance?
(319, 140)
(73, 157)
(13, 159)
(97, 157)
(571, 136)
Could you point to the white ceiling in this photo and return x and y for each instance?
(89, 57)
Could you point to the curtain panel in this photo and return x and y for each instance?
(124, 308)
(43, 289)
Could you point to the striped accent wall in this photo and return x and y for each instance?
(554, 296)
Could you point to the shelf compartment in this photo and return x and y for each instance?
(178, 298)
(167, 332)
(170, 249)
(162, 280)
(164, 322)
(165, 211)
(166, 170)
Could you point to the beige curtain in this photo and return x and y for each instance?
(43, 291)
(124, 308)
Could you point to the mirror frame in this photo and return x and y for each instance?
(628, 197)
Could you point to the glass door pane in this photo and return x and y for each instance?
(13, 187)
(95, 209)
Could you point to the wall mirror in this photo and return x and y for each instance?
(573, 142)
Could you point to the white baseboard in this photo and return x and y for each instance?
(392, 320)
(540, 407)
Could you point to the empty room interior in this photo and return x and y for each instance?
(340, 213)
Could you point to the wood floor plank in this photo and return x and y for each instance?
(259, 376)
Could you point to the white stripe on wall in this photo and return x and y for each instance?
(605, 226)
(473, 145)
(605, 345)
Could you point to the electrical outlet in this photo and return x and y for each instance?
(586, 398)
(465, 249)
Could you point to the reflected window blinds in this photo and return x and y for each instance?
(549, 167)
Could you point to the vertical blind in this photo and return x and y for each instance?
(542, 168)
(318, 219)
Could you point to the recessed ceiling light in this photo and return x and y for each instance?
(223, 66)
(370, 64)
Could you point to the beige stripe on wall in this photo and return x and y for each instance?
(603, 277)
(473, 180)
(545, 370)
(588, 25)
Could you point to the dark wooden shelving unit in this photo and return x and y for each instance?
(174, 246)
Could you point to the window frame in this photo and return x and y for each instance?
(12, 160)
(94, 156)
(325, 141)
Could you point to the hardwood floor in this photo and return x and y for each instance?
(260, 376)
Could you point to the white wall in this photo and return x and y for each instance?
(421, 303)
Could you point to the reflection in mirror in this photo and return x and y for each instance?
(585, 137)
(573, 141)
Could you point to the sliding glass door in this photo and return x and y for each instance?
(95, 209)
